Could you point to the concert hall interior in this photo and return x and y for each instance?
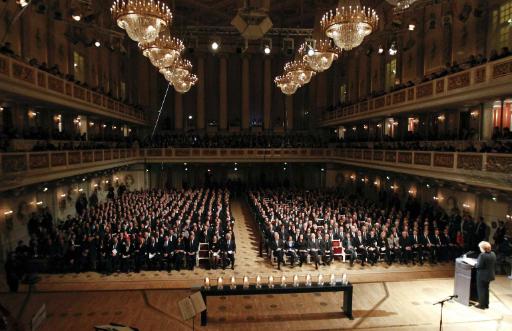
(256, 164)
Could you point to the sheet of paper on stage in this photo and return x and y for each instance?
(197, 300)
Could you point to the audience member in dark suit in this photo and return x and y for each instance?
(326, 247)
(360, 247)
(372, 248)
(166, 253)
(302, 248)
(291, 250)
(277, 246)
(228, 249)
(428, 246)
(153, 257)
(383, 247)
(405, 247)
(214, 252)
(417, 246)
(191, 251)
(349, 248)
(126, 256)
(485, 266)
(314, 249)
(179, 253)
(437, 244)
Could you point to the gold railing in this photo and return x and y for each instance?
(23, 168)
(16, 75)
(487, 80)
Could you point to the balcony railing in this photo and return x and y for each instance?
(54, 89)
(477, 82)
(487, 169)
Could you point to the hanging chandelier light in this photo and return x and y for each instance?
(143, 20)
(322, 56)
(349, 23)
(299, 71)
(178, 70)
(286, 84)
(163, 52)
(185, 83)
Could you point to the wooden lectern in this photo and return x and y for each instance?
(465, 282)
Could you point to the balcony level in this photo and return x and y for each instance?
(20, 79)
(487, 170)
(487, 81)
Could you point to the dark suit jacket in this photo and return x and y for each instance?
(485, 266)
(231, 247)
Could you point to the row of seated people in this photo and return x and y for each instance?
(152, 229)
(6, 49)
(299, 224)
(449, 68)
(442, 146)
(235, 141)
(366, 247)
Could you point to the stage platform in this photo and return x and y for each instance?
(398, 305)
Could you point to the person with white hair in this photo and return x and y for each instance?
(485, 266)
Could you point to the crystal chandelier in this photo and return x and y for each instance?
(322, 56)
(163, 51)
(349, 24)
(177, 71)
(286, 84)
(299, 72)
(185, 83)
(143, 20)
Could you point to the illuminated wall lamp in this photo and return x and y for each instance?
(9, 212)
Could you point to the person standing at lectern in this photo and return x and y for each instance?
(485, 267)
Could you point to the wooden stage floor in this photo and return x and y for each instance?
(398, 305)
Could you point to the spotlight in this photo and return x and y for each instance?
(267, 50)
(393, 50)
(23, 3)
(97, 43)
(190, 117)
(215, 46)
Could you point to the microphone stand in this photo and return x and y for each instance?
(442, 305)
